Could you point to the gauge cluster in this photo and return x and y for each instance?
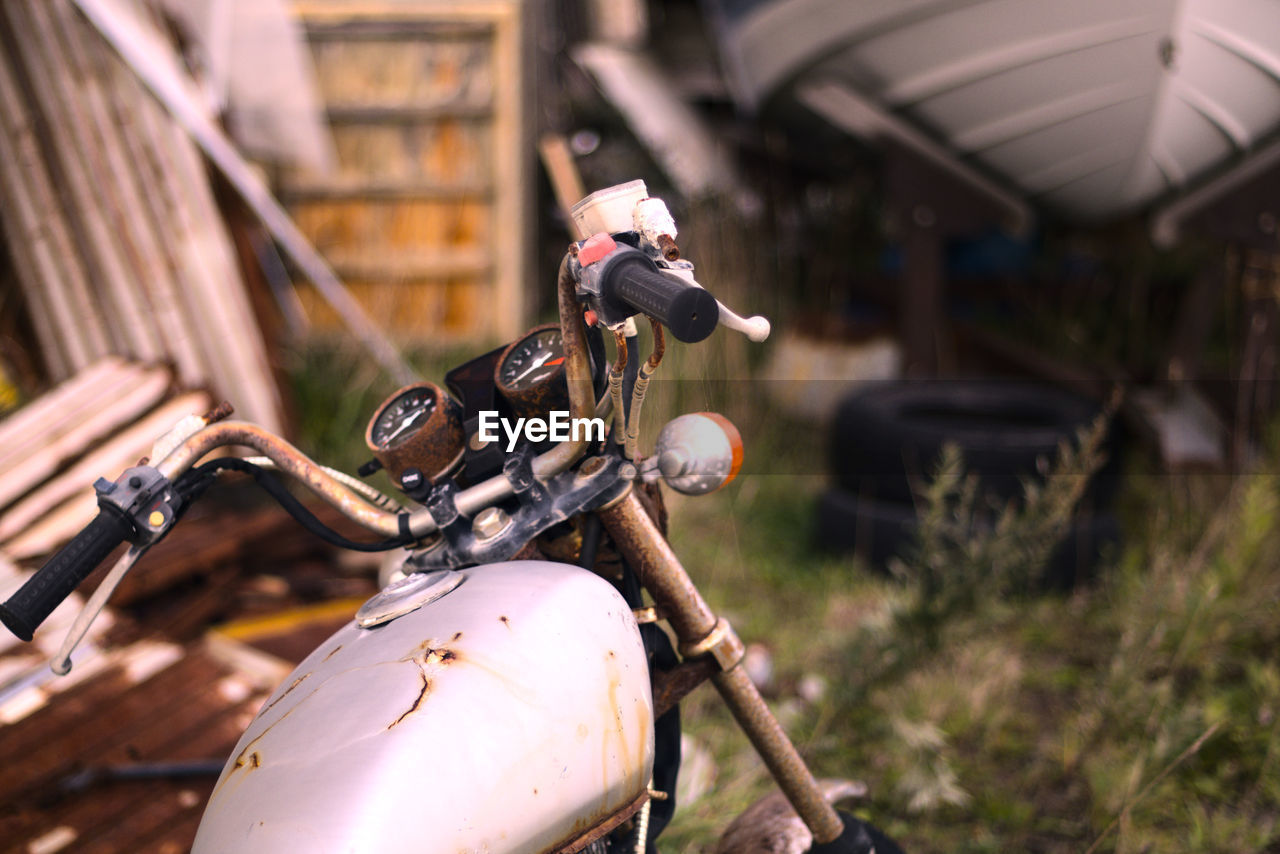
(422, 427)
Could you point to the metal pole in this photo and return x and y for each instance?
(700, 631)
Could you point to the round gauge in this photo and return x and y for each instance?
(530, 372)
(531, 361)
(418, 427)
(408, 409)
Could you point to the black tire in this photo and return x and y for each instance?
(887, 436)
(878, 531)
(859, 837)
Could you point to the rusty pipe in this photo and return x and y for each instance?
(638, 539)
(289, 460)
(577, 372)
(779, 754)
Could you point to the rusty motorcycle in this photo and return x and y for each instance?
(512, 688)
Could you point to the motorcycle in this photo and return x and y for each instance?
(512, 689)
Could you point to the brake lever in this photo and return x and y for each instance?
(756, 327)
(61, 662)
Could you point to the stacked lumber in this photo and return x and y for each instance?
(115, 236)
(72, 780)
(96, 424)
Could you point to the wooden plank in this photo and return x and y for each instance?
(109, 460)
(387, 27)
(513, 167)
(373, 265)
(80, 160)
(39, 240)
(14, 427)
(566, 181)
(362, 115)
(241, 370)
(357, 190)
(29, 436)
(118, 405)
(75, 47)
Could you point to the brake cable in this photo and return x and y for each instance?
(195, 481)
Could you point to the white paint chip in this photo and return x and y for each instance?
(54, 840)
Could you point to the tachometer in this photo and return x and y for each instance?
(531, 361)
(530, 372)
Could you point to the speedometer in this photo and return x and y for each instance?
(531, 361)
(395, 422)
(418, 427)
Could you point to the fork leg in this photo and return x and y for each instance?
(701, 632)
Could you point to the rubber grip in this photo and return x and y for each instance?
(26, 609)
(690, 312)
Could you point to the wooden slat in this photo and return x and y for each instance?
(241, 370)
(513, 166)
(70, 404)
(371, 265)
(358, 190)
(80, 161)
(17, 426)
(108, 460)
(40, 242)
(74, 47)
(407, 115)
(160, 70)
(114, 406)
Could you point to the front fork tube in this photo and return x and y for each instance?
(701, 632)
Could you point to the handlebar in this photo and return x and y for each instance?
(26, 609)
(690, 312)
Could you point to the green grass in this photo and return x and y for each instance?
(1138, 714)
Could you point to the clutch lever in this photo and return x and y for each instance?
(61, 663)
(756, 327)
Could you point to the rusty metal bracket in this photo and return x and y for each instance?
(538, 505)
(722, 643)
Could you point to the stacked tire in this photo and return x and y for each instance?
(887, 439)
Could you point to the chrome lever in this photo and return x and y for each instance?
(756, 327)
(61, 663)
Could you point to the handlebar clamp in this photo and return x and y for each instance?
(146, 498)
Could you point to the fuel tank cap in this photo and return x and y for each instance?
(408, 594)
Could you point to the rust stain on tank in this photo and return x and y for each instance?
(332, 653)
(428, 653)
(417, 703)
(287, 691)
(506, 621)
(250, 761)
(456, 637)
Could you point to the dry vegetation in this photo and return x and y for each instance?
(1137, 714)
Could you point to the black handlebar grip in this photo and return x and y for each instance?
(690, 312)
(57, 579)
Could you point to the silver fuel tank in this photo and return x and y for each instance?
(509, 714)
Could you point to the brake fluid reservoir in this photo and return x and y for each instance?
(510, 713)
